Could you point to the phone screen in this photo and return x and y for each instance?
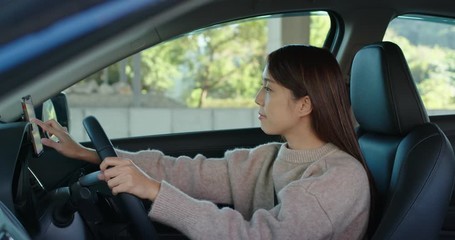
(29, 112)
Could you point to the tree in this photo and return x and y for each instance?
(202, 63)
(228, 61)
(321, 22)
(432, 68)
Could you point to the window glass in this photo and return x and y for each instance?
(205, 80)
(428, 44)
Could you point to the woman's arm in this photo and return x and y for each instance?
(199, 177)
(66, 144)
(334, 205)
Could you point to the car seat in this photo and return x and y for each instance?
(411, 160)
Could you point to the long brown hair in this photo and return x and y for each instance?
(307, 70)
(312, 71)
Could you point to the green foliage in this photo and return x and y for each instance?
(431, 62)
(160, 65)
(226, 62)
(431, 32)
(218, 63)
(321, 24)
(437, 93)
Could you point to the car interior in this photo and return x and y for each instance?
(49, 196)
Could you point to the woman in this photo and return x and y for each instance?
(320, 179)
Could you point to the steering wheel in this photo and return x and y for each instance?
(133, 207)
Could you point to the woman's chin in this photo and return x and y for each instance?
(267, 131)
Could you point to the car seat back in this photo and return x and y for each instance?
(410, 159)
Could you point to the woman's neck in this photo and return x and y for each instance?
(307, 139)
(304, 144)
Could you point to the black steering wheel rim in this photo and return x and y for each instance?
(134, 209)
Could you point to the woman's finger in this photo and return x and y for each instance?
(113, 182)
(113, 167)
(56, 125)
(121, 183)
(116, 190)
(113, 172)
(124, 172)
(50, 143)
(121, 179)
(113, 161)
(101, 176)
(43, 125)
(126, 177)
(107, 163)
(52, 127)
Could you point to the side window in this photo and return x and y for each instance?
(205, 80)
(428, 44)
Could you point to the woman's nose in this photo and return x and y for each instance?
(259, 97)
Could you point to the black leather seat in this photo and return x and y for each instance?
(411, 160)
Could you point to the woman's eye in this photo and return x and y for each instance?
(267, 89)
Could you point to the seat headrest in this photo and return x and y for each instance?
(384, 96)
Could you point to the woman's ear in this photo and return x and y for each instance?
(305, 106)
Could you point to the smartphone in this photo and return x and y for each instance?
(35, 136)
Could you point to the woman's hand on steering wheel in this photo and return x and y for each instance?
(122, 175)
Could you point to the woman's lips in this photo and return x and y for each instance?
(261, 116)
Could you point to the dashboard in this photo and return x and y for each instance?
(26, 207)
(41, 197)
(19, 189)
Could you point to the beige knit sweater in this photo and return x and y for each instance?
(322, 193)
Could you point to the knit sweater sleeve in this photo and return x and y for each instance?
(212, 179)
(200, 177)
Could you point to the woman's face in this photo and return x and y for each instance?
(278, 110)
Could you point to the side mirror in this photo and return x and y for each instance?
(55, 108)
